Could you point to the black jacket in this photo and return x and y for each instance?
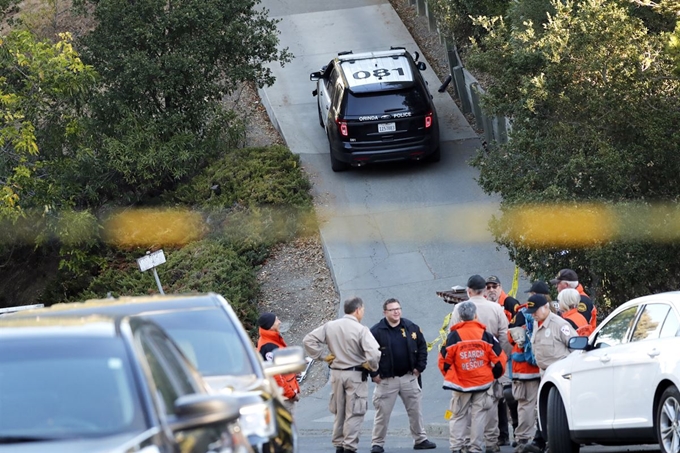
(417, 347)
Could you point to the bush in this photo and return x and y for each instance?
(203, 266)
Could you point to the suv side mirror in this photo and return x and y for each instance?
(285, 361)
(198, 410)
(420, 65)
(314, 76)
(578, 343)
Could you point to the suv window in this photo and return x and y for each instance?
(650, 322)
(67, 387)
(411, 100)
(616, 330)
(169, 376)
(209, 339)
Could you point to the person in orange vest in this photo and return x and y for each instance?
(270, 339)
(495, 293)
(526, 376)
(569, 300)
(567, 278)
(470, 361)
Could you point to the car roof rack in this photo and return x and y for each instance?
(375, 54)
(345, 52)
(6, 311)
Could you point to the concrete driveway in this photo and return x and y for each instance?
(399, 230)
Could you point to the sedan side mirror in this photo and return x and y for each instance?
(420, 65)
(199, 410)
(314, 76)
(285, 361)
(578, 343)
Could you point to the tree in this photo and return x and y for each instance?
(166, 65)
(42, 88)
(594, 109)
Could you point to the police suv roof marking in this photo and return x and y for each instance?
(368, 66)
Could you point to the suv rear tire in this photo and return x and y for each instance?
(336, 165)
(559, 440)
(436, 156)
(665, 417)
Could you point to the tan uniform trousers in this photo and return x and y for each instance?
(470, 411)
(526, 394)
(349, 403)
(492, 431)
(384, 397)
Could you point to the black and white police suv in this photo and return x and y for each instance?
(375, 107)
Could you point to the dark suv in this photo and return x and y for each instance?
(105, 384)
(210, 335)
(375, 107)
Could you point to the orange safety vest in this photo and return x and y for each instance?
(593, 312)
(468, 359)
(578, 322)
(287, 382)
(523, 371)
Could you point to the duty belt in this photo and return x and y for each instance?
(364, 371)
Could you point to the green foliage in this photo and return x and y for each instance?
(594, 111)
(8, 7)
(455, 17)
(42, 88)
(255, 198)
(202, 266)
(166, 69)
(249, 177)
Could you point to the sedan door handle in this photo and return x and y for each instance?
(654, 352)
(605, 358)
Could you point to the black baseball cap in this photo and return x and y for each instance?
(493, 279)
(565, 275)
(476, 282)
(539, 287)
(535, 302)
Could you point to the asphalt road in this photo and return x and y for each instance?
(399, 230)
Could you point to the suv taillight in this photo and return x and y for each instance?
(342, 127)
(428, 120)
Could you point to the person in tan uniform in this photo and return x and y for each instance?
(550, 341)
(353, 353)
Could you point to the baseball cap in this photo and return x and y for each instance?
(539, 287)
(565, 275)
(476, 282)
(535, 302)
(266, 320)
(493, 279)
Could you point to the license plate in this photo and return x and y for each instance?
(387, 127)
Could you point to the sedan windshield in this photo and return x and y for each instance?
(210, 340)
(64, 388)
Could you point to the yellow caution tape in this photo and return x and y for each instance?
(515, 283)
(443, 332)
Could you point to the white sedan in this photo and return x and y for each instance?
(620, 386)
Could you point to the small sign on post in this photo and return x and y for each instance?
(150, 261)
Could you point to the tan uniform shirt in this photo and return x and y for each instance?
(348, 340)
(550, 340)
(492, 316)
